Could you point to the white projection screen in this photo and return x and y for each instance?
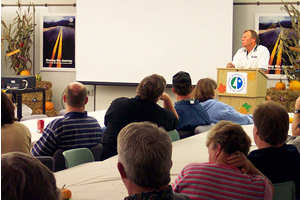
(122, 41)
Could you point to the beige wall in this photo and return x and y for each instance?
(243, 18)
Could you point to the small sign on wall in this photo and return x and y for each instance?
(236, 83)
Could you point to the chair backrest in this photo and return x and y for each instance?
(97, 151)
(78, 156)
(285, 190)
(174, 135)
(185, 134)
(59, 160)
(48, 161)
(202, 129)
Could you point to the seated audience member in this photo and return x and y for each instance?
(190, 112)
(143, 107)
(295, 139)
(275, 159)
(144, 163)
(24, 177)
(205, 93)
(219, 180)
(75, 130)
(14, 135)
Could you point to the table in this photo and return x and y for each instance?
(17, 98)
(101, 180)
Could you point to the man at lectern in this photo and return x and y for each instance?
(251, 55)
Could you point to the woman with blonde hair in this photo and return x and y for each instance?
(205, 93)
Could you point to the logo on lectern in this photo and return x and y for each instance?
(237, 83)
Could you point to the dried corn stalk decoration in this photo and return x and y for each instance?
(17, 38)
(291, 42)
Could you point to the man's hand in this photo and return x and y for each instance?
(230, 65)
(168, 103)
(165, 97)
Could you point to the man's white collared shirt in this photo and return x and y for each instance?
(257, 58)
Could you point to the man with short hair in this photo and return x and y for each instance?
(251, 55)
(190, 112)
(274, 158)
(75, 130)
(143, 107)
(295, 138)
(145, 153)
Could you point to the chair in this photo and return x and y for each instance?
(202, 128)
(59, 160)
(285, 190)
(74, 157)
(174, 135)
(48, 161)
(185, 134)
(97, 151)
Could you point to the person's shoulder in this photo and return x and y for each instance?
(291, 149)
(19, 124)
(58, 122)
(197, 166)
(262, 48)
(16, 126)
(241, 50)
(121, 101)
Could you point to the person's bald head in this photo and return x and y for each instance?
(76, 95)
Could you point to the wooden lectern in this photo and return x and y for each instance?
(243, 89)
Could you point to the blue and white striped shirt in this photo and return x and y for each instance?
(74, 130)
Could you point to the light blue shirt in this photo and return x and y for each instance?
(218, 111)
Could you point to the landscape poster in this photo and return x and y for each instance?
(58, 43)
(269, 28)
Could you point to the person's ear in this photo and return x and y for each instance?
(218, 150)
(121, 170)
(86, 100)
(65, 98)
(173, 90)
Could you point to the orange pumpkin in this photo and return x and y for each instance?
(49, 105)
(66, 193)
(280, 85)
(25, 73)
(295, 85)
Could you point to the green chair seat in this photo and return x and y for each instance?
(74, 157)
(174, 135)
(285, 190)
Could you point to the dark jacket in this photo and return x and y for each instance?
(123, 111)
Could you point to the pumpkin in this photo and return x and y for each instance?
(49, 105)
(66, 193)
(294, 85)
(280, 85)
(25, 73)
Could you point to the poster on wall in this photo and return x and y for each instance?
(269, 27)
(58, 43)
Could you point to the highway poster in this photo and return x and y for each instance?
(58, 43)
